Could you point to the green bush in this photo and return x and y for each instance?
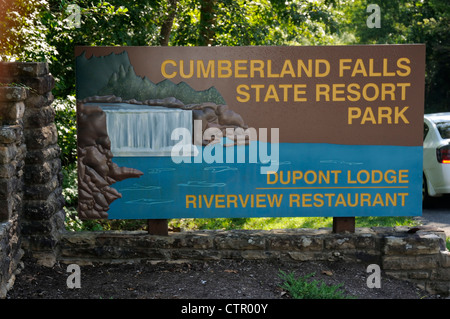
(301, 288)
(66, 124)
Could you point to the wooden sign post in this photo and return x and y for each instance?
(158, 227)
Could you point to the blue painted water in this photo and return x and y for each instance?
(324, 181)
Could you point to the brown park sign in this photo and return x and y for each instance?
(326, 131)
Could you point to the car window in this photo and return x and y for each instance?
(425, 130)
(444, 129)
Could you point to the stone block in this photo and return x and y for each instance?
(38, 85)
(38, 156)
(9, 206)
(259, 254)
(444, 258)
(8, 187)
(40, 242)
(419, 275)
(47, 258)
(33, 227)
(39, 117)
(7, 170)
(412, 245)
(410, 262)
(43, 209)
(367, 241)
(8, 153)
(39, 100)
(440, 274)
(23, 69)
(247, 240)
(41, 191)
(307, 255)
(42, 173)
(78, 239)
(11, 134)
(194, 254)
(12, 93)
(11, 112)
(194, 241)
(43, 137)
(295, 242)
(339, 242)
(438, 287)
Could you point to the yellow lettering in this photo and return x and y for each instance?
(400, 114)
(384, 112)
(224, 69)
(287, 69)
(353, 113)
(338, 89)
(385, 69)
(285, 88)
(271, 94)
(322, 90)
(191, 69)
(269, 70)
(319, 62)
(242, 90)
(406, 68)
(356, 94)
(163, 69)
(301, 66)
(343, 67)
(371, 72)
(191, 199)
(298, 91)
(359, 68)
(368, 116)
(256, 66)
(238, 68)
(205, 73)
(294, 199)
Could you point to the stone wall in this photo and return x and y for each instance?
(410, 254)
(31, 215)
(12, 156)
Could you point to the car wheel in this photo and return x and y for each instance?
(425, 196)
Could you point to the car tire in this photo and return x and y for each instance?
(425, 196)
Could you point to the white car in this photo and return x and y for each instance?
(436, 155)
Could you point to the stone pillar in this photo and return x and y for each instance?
(43, 214)
(12, 155)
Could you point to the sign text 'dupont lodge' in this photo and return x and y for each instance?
(203, 132)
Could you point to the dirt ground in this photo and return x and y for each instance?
(227, 279)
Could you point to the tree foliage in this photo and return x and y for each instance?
(23, 36)
(426, 21)
(41, 29)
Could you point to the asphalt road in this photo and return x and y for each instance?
(437, 214)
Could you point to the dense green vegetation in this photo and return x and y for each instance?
(39, 30)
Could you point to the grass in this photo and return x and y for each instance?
(304, 288)
(268, 223)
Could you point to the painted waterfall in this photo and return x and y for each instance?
(141, 130)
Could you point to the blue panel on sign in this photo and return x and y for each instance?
(311, 180)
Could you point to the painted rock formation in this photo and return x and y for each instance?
(96, 170)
